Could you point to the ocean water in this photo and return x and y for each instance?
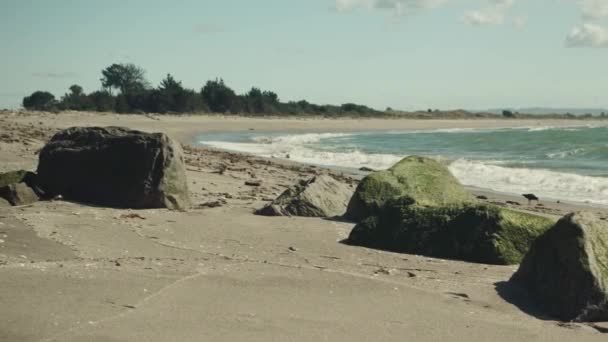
(569, 164)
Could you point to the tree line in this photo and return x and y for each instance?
(126, 90)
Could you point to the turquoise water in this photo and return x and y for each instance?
(558, 163)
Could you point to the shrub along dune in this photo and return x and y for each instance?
(417, 206)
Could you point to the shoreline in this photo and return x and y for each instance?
(73, 272)
(185, 127)
(548, 207)
(552, 202)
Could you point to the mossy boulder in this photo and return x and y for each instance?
(566, 269)
(4, 203)
(18, 188)
(466, 231)
(425, 180)
(115, 166)
(319, 196)
(12, 177)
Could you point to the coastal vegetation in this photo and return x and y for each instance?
(125, 89)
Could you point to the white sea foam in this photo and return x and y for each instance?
(279, 148)
(498, 129)
(299, 138)
(482, 174)
(543, 183)
(447, 130)
(564, 154)
(541, 128)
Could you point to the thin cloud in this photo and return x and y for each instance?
(2, 94)
(51, 74)
(209, 29)
(593, 9)
(587, 35)
(397, 7)
(520, 21)
(493, 14)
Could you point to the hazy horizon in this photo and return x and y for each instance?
(404, 54)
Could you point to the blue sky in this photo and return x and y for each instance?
(408, 54)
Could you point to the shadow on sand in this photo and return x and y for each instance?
(515, 294)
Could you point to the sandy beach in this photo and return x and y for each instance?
(216, 272)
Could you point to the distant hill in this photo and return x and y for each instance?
(547, 110)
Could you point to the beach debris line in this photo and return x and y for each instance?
(115, 166)
(253, 182)
(319, 196)
(212, 204)
(530, 198)
(418, 207)
(566, 269)
(132, 216)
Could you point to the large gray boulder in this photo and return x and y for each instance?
(114, 166)
(320, 196)
(566, 270)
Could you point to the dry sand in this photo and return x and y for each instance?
(72, 272)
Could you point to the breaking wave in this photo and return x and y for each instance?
(490, 160)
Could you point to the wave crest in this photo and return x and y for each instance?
(544, 183)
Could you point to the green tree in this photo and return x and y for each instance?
(40, 100)
(76, 99)
(258, 101)
(220, 98)
(171, 96)
(76, 89)
(122, 104)
(102, 101)
(508, 114)
(128, 78)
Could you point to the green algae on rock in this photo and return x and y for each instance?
(466, 231)
(425, 180)
(566, 269)
(4, 203)
(18, 188)
(12, 177)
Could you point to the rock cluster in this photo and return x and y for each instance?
(419, 207)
